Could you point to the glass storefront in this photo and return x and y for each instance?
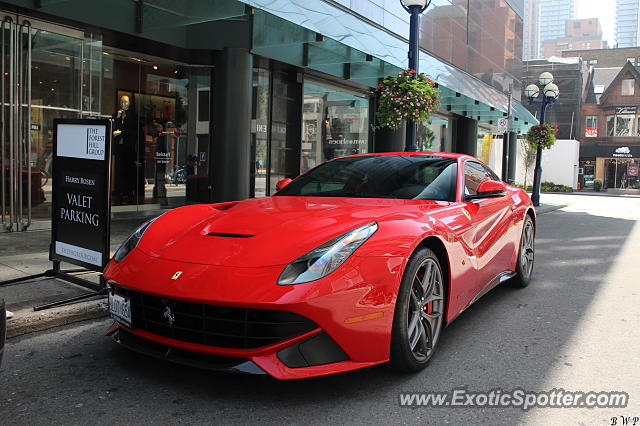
(48, 72)
(161, 130)
(433, 135)
(335, 123)
(621, 173)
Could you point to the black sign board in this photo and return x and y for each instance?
(81, 205)
(626, 110)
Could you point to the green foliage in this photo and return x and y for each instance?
(548, 187)
(597, 185)
(407, 97)
(542, 135)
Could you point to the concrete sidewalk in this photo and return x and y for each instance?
(26, 253)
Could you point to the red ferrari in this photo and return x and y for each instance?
(360, 261)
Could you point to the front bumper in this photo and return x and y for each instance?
(351, 310)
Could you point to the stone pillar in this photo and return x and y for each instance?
(466, 136)
(231, 150)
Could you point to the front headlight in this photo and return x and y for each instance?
(325, 259)
(131, 242)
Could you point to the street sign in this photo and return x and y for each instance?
(81, 199)
(503, 125)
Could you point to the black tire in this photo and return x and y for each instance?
(413, 347)
(526, 255)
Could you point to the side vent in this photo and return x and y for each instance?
(223, 235)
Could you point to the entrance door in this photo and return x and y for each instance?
(46, 74)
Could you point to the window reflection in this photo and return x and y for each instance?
(335, 123)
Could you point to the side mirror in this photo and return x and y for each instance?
(283, 183)
(489, 189)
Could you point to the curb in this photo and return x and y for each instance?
(27, 321)
(550, 209)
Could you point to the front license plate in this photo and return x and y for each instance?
(120, 308)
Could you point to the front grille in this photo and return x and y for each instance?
(222, 326)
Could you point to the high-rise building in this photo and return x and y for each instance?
(553, 15)
(530, 42)
(580, 34)
(627, 17)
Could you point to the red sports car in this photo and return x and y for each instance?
(360, 261)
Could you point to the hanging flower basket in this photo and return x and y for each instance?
(542, 135)
(407, 97)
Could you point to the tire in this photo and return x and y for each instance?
(526, 255)
(419, 314)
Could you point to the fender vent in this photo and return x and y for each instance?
(223, 235)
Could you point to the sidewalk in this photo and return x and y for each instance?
(26, 253)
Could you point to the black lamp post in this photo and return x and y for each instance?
(415, 8)
(550, 95)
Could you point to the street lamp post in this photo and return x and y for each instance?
(550, 95)
(415, 8)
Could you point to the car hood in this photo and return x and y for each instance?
(264, 231)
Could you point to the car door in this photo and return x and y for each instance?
(492, 221)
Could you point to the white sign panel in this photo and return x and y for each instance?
(82, 141)
(503, 125)
(79, 253)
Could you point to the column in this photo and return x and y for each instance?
(231, 150)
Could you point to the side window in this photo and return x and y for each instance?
(474, 175)
(491, 174)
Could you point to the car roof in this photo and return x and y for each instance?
(424, 154)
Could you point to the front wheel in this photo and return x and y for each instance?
(526, 255)
(419, 315)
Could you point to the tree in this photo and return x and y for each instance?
(528, 154)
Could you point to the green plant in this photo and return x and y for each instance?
(597, 185)
(542, 135)
(548, 187)
(407, 97)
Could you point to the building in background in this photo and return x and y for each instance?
(553, 15)
(606, 58)
(569, 74)
(227, 97)
(582, 34)
(531, 40)
(627, 18)
(610, 129)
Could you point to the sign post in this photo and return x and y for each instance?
(81, 203)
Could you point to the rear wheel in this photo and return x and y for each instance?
(526, 255)
(419, 315)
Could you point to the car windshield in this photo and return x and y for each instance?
(409, 177)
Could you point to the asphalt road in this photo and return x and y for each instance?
(576, 328)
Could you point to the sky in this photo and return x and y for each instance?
(605, 10)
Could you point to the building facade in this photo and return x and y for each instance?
(531, 41)
(606, 58)
(610, 148)
(627, 19)
(582, 34)
(553, 15)
(218, 100)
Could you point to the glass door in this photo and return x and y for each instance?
(48, 72)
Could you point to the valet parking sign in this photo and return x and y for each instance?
(81, 213)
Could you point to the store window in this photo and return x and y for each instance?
(161, 130)
(433, 135)
(591, 126)
(611, 125)
(588, 173)
(628, 87)
(335, 123)
(625, 125)
(260, 132)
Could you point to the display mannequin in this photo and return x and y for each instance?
(127, 153)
